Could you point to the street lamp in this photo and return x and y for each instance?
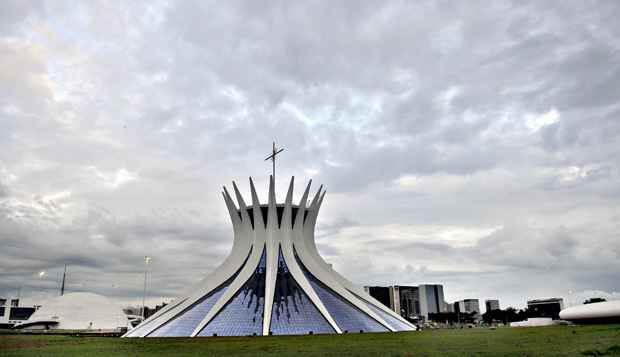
(147, 260)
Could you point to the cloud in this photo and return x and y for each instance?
(462, 150)
(536, 122)
(112, 180)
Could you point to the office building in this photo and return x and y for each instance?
(491, 305)
(404, 300)
(545, 308)
(449, 308)
(469, 306)
(383, 294)
(414, 303)
(431, 300)
(409, 302)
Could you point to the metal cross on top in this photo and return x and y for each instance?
(274, 151)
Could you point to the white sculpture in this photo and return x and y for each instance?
(273, 282)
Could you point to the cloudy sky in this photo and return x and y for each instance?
(475, 145)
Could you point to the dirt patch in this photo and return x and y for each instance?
(17, 346)
(10, 337)
(19, 342)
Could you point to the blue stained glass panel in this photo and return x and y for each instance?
(348, 317)
(243, 314)
(142, 328)
(394, 322)
(184, 324)
(293, 312)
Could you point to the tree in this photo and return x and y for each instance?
(447, 317)
(453, 317)
(505, 316)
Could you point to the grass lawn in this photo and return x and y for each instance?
(599, 340)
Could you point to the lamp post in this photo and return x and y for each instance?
(147, 260)
(41, 275)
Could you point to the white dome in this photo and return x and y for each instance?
(80, 311)
(599, 310)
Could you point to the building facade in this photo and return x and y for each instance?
(273, 282)
(431, 300)
(450, 308)
(409, 299)
(545, 308)
(383, 294)
(469, 306)
(11, 313)
(491, 305)
(413, 303)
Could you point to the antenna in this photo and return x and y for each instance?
(62, 285)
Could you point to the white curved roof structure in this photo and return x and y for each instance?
(78, 311)
(606, 310)
(273, 282)
(533, 322)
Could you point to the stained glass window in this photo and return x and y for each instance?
(138, 330)
(394, 322)
(293, 312)
(184, 324)
(348, 317)
(243, 314)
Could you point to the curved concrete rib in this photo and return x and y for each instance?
(244, 275)
(309, 244)
(271, 269)
(239, 253)
(248, 270)
(289, 256)
(321, 272)
(354, 288)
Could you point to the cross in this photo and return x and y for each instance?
(274, 151)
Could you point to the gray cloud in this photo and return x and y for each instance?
(472, 144)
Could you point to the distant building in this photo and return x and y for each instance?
(394, 292)
(450, 308)
(408, 301)
(11, 313)
(411, 302)
(431, 299)
(382, 293)
(545, 308)
(491, 305)
(469, 306)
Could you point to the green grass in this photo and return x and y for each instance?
(599, 340)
